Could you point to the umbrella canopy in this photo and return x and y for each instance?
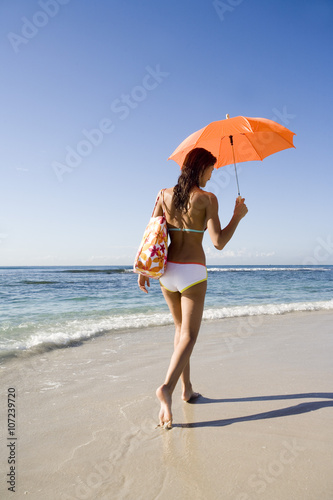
(237, 139)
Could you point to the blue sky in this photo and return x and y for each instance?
(95, 95)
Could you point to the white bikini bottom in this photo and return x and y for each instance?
(178, 277)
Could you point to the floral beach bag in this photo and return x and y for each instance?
(151, 257)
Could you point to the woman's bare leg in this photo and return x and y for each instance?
(173, 300)
(187, 390)
(187, 309)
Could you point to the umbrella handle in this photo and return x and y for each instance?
(233, 155)
(239, 195)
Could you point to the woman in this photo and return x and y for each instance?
(189, 211)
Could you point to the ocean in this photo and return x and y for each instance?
(44, 308)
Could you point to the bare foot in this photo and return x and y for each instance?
(189, 395)
(165, 414)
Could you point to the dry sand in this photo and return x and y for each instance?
(263, 428)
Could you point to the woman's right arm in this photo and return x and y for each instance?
(220, 237)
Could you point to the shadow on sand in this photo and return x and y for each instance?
(283, 412)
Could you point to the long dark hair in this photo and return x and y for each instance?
(196, 161)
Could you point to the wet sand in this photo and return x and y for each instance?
(263, 428)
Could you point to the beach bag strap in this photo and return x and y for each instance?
(158, 197)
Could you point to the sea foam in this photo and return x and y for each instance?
(72, 332)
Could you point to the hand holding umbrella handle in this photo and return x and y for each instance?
(240, 209)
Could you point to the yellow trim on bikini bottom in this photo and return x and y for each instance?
(196, 283)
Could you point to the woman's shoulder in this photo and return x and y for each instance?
(203, 196)
(165, 191)
(198, 198)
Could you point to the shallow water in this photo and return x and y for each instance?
(49, 307)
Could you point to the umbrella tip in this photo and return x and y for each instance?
(227, 115)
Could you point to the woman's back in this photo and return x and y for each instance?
(186, 229)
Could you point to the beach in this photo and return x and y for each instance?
(86, 415)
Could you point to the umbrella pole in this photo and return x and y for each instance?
(233, 155)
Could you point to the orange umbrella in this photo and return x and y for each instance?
(237, 139)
